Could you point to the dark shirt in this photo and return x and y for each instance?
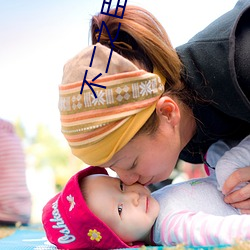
(217, 67)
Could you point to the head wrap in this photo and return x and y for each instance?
(97, 128)
(70, 224)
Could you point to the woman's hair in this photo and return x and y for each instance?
(144, 41)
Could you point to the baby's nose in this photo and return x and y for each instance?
(133, 197)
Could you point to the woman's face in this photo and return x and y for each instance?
(148, 159)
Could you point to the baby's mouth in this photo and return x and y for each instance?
(147, 203)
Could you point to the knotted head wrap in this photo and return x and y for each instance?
(97, 128)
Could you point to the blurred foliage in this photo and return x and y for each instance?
(45, 150)
(20, 130)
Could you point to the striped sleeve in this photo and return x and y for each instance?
(201, 229)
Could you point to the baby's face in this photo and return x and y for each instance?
(130, 211)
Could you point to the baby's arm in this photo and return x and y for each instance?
(214, 153)
(201, 229)
(237, 157)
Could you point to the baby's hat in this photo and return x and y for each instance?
(69, 223)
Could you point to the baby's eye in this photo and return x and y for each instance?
(121, 186)
(120, 206)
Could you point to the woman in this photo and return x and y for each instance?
(134, 124)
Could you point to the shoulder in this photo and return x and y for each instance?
(204, 57)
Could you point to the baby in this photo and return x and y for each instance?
(96, 211)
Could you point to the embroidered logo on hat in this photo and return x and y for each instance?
(60, 224)
(72, 203)
(94, 235)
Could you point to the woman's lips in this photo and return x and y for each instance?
(148, 183)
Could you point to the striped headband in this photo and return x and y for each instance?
(97, 128)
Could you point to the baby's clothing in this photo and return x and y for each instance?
(194, 212)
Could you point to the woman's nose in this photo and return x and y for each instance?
(126, 177)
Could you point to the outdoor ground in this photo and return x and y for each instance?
(33, 237)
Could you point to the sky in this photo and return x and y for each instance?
(38, 37)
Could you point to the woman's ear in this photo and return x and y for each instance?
(168, 109)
